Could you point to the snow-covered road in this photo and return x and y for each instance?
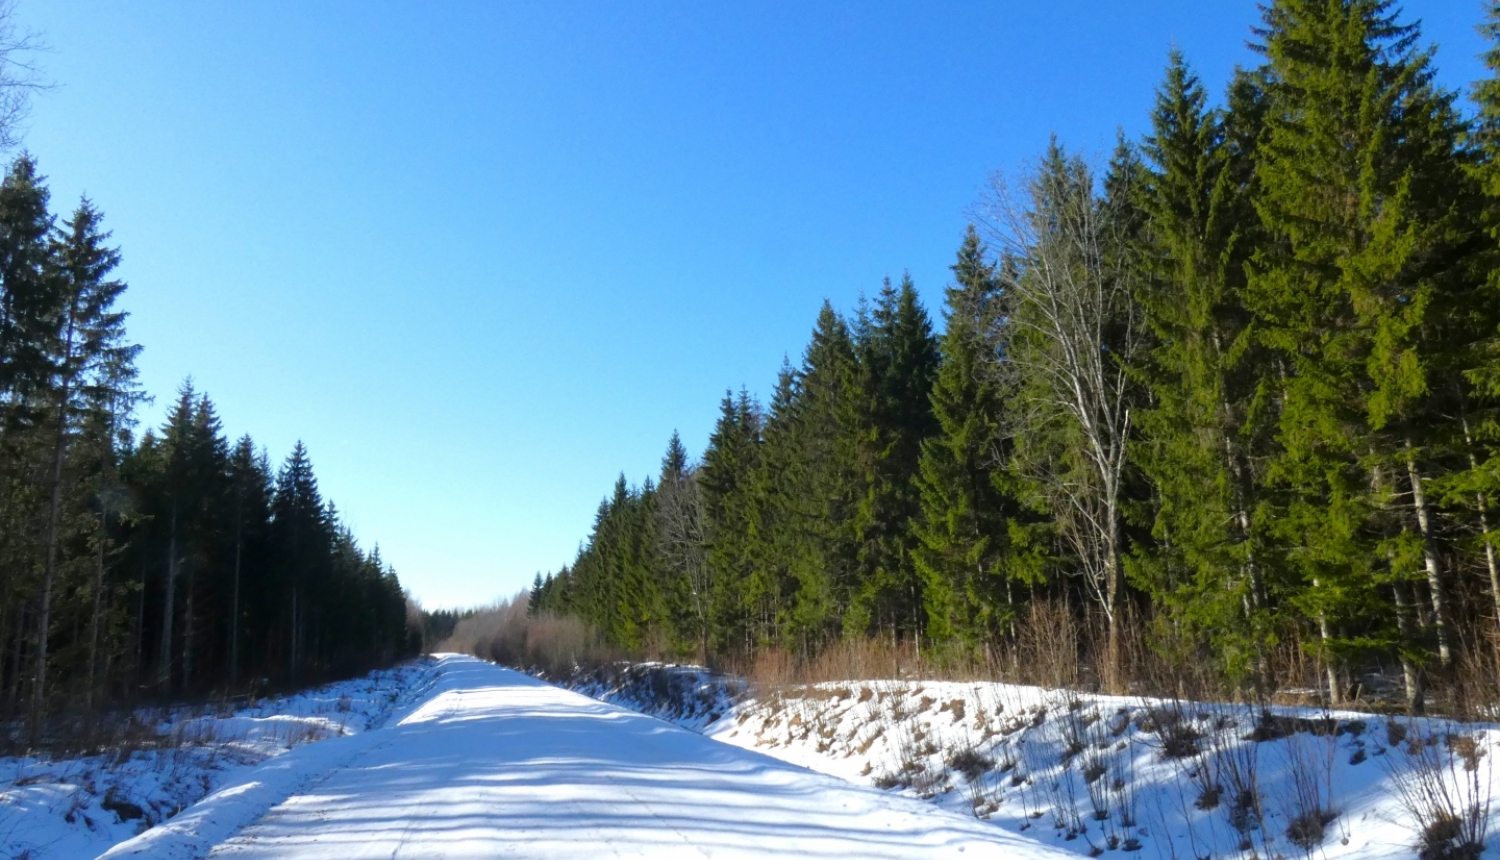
(492, 763)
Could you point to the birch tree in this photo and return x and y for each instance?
(1071, 327)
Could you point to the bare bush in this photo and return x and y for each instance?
(1310, 760)
(1443, 781)
(1048, 645)
(969, 761)
(1236, 766)
(859, 660)
(553, 645)
(1170, 722)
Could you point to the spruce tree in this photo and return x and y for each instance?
(29, 298)
(534, 596)
(822, 488)
(1358, 184)
(964, 523)
(1203, 370)
(898, 361)
(89, 364)
(681, 550)
(1471, 489)
(300, 540)
(727, 478)
(774, 542)
(250, 485)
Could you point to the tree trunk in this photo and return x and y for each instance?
(108, 460)
(1335, 694)
(12, 625)
(5, 634)
(1492, 564)
(234, 618)
(164, 648)
(98, 593)
(54, 524)
(140, 628)
(15, 661)
(1411, 674)
(54, 513)
(187, 631)
(293, 666)
(1431, 561)
(1114, 683)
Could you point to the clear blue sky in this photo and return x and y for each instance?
(482, 256)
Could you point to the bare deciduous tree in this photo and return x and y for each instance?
(1070, 329)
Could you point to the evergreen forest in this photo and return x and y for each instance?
(149, 566)
(1226, 401)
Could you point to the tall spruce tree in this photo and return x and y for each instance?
(251, 487)
(1359, 181)
(964, 522)
(681, 550)
(300, 539)
(90, 364)
(774, 520)
(898, 360)
(1203, 370)
(1470, 490)
(822, 487)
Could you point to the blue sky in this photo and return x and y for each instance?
(483, 256)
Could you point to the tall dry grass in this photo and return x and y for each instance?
(1048, 645)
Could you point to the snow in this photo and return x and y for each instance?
(456, 758)
(492, 762)
(1089, 773)
(79, 807)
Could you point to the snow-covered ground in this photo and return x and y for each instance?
(456, 758)
(79, 807)
(453, 757)
(1090, 774)
(495, 763)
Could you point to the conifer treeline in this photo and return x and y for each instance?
(155, 566)
(1243, 387)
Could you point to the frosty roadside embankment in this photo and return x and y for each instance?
(493, 762)
(1089, 774)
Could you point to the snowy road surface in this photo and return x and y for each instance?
(492, 763)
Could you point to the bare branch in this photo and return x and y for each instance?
(20, 76)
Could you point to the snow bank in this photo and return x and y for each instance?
(250, 794)
(1089, 774)
(80, 807)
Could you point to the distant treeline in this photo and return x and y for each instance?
(1234, 398)
(438, 624)
(170, 563)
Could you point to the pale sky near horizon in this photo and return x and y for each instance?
(483, 256)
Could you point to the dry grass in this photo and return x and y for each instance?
(1049, 645)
